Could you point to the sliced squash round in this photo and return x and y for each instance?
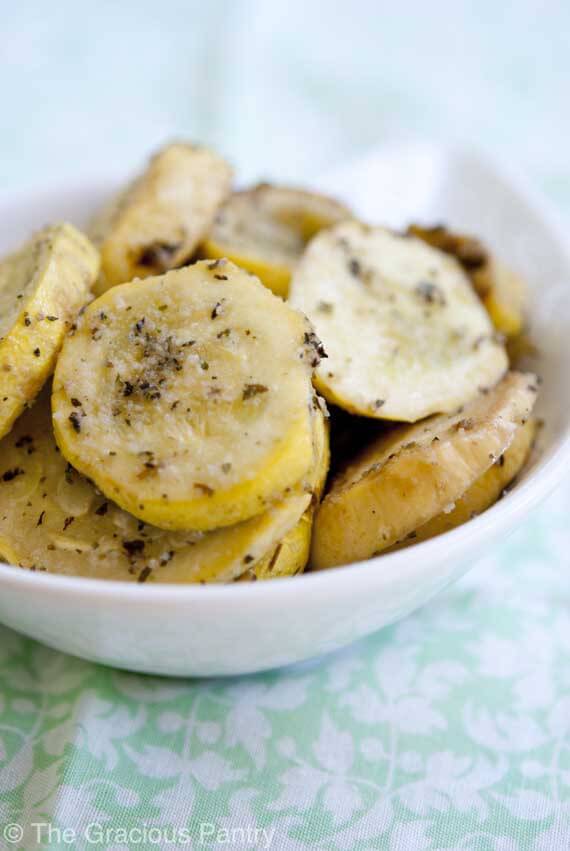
(291, 554)
(484, 492)
(289, 557)
(412, 474)
(404, 332)
(156, 223)
(187, 398)
(53, 519)
(265, 230)
(43, 286)
(506, 299)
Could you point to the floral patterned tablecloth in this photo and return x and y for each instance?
(449, 730)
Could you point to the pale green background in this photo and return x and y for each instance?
(448, 731)
(283, 88)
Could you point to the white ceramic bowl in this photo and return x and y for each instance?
(239, 628)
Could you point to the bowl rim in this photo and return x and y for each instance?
(499, 518)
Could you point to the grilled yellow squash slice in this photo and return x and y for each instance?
(43, 286)
(53, 519)
(485, 491)
(404, 332)
(265, 230)
(157, 222)
(187, 398)
(410, 475)
(502, 291)
(506, 299)
(291, 554)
